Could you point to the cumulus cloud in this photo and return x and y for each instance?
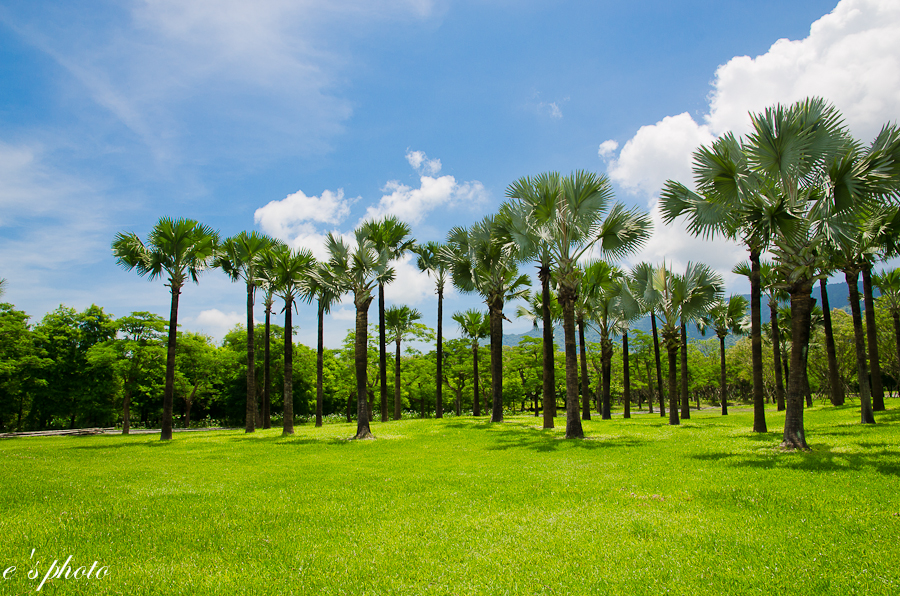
(607, 148)
(658, 152)
(850, 58)
(420, 163)
(413, 204)
(294, 218)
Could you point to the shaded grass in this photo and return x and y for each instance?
(463, 507)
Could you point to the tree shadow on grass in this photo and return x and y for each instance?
(880, 457)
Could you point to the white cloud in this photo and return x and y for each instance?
(607, 148)
(344, 314)
(420, 163)
(293, 218)
(411, 286)
(413, 204)
(658, 152)
(851, 58)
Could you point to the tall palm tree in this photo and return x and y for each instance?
(535, 194)
(400, 322)
(724, 317)
(181, 249)
(476, 326)
(268, 283)
(291, 269)
(431, 260)
(322, 286)
(480, 263)
(577, 219)
(834, 380)
(239, 257)
(359, 270)
(390, 237)
(675, 296)
(597, 296)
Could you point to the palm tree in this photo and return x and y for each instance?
(534, 195)
(400, 321)
(480, 263)
(571, 222)
(322, 286)
(291, 269)
(389, 237)
(676, 297)
(431, 260)
(359, 270)
(476, 326)
(239, 257)
(597, 296)
(180, 248)
(725, 317)
(834, 380)
(536, 312)
(267, 281)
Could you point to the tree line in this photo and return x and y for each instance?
(797, 187)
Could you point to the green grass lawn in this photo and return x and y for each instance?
(461, 506)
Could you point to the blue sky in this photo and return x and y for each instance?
(300, 117)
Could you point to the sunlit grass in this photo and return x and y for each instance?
(463, 507)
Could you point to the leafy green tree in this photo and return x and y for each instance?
(199, 372)
(888, 284)
(179, 248)
(480, 263)
(240, 258)
(475, 326)
(21, 367)
(724, 317)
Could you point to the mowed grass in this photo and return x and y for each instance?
(461, 506)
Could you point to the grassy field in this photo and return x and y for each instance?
(460, 506)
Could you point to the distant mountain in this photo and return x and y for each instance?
(838, 297)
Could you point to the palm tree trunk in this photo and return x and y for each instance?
(476, 405)
(382, 353)
(549, 371)
(659, 381)
(865, 396)
(776, 355)
(361, 361)
(585, 385)
(496, 316)
(287, 425)
(320, 365)
(722, 378)
(250, 419)
(685, 403)
(759, 404)
(606, 352)
(169, 392)
(872, 336)
(439, 406)
(626, 378)
(573, 421)
(834, 379)
(267, 374)
(649, 389)
(397, 401)
(801, 306)
(672, 350)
